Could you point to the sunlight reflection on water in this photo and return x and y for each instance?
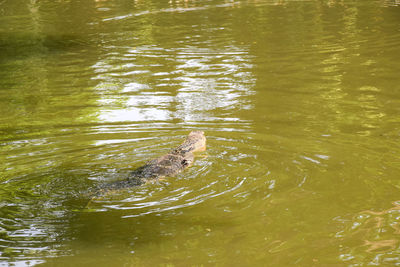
(190, 93)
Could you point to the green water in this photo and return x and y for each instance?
(299, 100)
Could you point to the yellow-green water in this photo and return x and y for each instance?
(299, 100)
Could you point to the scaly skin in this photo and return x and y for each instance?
(167, 165)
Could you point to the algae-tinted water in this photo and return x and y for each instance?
(299, 100)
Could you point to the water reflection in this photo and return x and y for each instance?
(390, 3)
(200, 81)
(371, 237)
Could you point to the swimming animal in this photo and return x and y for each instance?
(167, 165)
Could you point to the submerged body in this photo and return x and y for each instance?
(165, 166)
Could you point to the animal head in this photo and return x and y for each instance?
(197, 139)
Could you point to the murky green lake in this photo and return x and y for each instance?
(299, 100)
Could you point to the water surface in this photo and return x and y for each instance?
(299, 100)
